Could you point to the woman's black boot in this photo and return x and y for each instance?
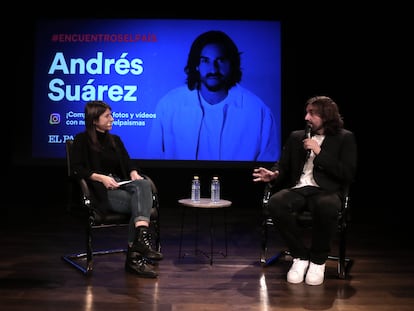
(138, 265)
(142, 244)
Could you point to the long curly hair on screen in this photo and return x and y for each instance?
(231, 52)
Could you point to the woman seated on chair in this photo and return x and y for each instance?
(315, 167)
(102, 160)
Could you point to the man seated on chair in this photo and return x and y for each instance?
(314, 168)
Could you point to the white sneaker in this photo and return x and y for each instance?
(297, 272)
(315, 274)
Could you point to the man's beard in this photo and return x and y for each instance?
(220, 85)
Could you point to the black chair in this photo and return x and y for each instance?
(305, 221)
(93, 220)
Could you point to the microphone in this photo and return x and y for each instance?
(308, 131)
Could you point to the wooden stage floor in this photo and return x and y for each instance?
(34, 277)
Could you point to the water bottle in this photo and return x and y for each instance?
(195, 189)
(215, 189)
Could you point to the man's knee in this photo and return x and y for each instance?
(278, 204)
(327, 206)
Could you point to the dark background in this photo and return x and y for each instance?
(359, 57)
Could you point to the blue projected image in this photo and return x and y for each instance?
(223, 110)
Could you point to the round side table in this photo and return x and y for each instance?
(207, 204)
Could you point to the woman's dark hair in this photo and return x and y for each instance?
(328, 110)
(93, 110)
(231, 53)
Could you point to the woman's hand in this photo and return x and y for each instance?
(134, 175)
(108, 181)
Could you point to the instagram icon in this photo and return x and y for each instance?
(54, 118)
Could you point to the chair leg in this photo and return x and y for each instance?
(264, 260)
(342, 259)
(276, 257)
(263, 254)
(157, 241)
(344, 263)
(89, 252)
(87, 269)
(72, 258)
